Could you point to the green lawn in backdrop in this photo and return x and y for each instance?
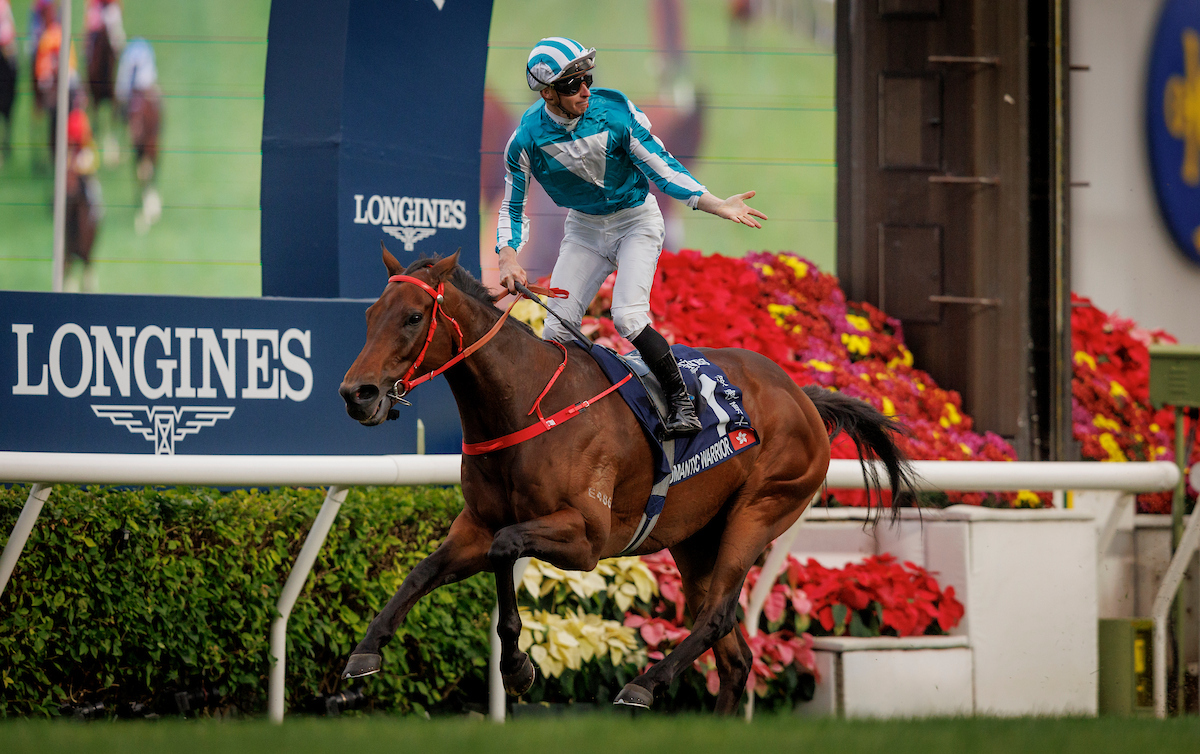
(769, 125)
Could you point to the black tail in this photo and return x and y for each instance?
(872, 434)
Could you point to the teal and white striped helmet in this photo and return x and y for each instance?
(556, 58)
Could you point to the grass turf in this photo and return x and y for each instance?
(605, 733)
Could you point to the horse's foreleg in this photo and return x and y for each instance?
(560, 538)
(461, 555)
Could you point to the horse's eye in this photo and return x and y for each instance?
(414, 319)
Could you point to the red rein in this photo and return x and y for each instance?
(406, 383)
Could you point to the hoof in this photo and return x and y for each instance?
(519, 682)
(634, 695)
(362, 665)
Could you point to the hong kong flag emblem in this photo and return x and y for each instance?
(740, 438)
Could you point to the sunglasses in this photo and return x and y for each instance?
(572, 86)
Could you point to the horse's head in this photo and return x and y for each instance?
(397, 330)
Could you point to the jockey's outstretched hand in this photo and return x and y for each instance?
(511, 271)
(734, 208)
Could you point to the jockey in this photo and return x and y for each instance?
(8, 75)
(104, 17)
(137, 72)
(593, 153)
(46, 61)
(83, 161)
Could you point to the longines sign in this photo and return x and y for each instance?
(149, 374)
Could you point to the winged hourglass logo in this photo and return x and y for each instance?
(408, 236)
(164, 425)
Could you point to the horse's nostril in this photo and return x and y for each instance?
(359, 394)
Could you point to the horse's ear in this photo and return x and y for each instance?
(389, 261)
(444, 267)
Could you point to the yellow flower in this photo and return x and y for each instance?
(630, 578)
(780, 311)
(820, 366)
(1117, 390)
(856, 343)
(531, 314)
(1028, 499)
(1103, 422)
(862, 324)
(965, 448)
(904, 359)
(767, 270)
(1083, 357)
(951, 415)
(889, 408)
(541, 579)
(865, 376)
(564, 642)
(800, 268)
(1109, 443)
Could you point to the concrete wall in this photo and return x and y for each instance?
(1122, 255)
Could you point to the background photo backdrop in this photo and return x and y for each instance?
(743, 93)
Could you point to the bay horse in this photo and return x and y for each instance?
(145, 125)
(575, 494)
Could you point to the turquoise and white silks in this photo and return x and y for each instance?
(600, 163)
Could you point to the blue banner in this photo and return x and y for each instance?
(166, 375)
(1173, 121)
(371, 129)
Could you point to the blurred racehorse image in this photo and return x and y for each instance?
(85, 206)
(105, 41)
(8, 76)
(140, 102)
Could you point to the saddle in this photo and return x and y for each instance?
(726, 430)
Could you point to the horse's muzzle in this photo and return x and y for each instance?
(365, 403)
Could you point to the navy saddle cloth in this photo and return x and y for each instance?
(726, 432)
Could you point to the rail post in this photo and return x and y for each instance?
(20, 533)
(766, 578)
(291, 590)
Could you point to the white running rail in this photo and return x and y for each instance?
(341, 472)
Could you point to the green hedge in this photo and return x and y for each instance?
(186, 600)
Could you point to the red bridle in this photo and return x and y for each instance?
(406, 383)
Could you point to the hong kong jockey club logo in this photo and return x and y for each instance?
(164, 425)
(1173, 121)
(410, 219)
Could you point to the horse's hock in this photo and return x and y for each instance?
(1027, 643)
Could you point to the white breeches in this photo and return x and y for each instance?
(628, 240)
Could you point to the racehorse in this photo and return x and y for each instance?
(575, 494)
(81, 227)
(101, 67)
(145, 124)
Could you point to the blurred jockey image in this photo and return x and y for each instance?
(140, 104)
(85, 202)
(8, 76)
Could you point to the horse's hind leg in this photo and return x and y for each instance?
(695, 559)
(754, 521)
(461, 555)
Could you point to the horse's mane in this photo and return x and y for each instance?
(466, 282)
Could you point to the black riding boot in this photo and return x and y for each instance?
(656, 352)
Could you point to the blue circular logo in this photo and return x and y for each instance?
(1173, 121)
